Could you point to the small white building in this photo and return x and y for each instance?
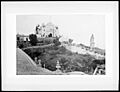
(22, 37)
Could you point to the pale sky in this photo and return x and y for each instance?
(78, 27)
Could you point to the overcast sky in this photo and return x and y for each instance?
(78, 27)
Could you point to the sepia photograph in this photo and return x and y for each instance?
(60, 44)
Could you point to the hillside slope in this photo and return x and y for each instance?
(26, 66)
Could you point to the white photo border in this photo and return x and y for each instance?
(11, 81)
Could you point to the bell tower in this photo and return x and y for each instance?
(92, 43)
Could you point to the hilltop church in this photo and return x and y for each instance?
(48, 30)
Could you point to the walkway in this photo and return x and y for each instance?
(35, 47)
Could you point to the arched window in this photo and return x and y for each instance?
(50, 35)
(56, 27)
(43, 35)
(18, 38)
(26, 39)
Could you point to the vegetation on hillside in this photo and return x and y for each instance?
(69, 61)
(23, 44)
(33, 39)
(24, 67)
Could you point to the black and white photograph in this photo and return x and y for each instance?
(60, 44)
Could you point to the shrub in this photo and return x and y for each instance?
(33, 39)
(56, 41)
(22, 44)
(64, 64)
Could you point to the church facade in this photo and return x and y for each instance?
(48, 30)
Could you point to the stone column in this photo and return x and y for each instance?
(36, 60)
(44, 66)
(39, 63)
(58, 71)
(58, 65)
